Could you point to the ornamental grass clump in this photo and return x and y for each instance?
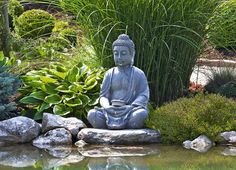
(221, 26)
(187, 118)
(167, 34)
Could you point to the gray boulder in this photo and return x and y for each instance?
(229, 136)
(18, 130)
(200, 144)
(128, 136)
(59, 136)
(51, 121)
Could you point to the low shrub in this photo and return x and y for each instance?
(61, 90)
(34, 23)
(228, 90)
(221, 26)
(218, 82)
(187, 118)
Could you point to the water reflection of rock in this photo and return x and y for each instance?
(229, 151)
(19, 155)
(27, 156)
(110, 150)
(113, 163)
(63, 158)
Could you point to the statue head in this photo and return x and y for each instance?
(123, 50)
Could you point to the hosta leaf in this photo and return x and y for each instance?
(50, 88)
(75, 101)
(91, 86)
(94, 102)
(53, 99)
(38, 95)
(47, 79)
(26, 79)
(38, 116)
(63, 88)
(58, 74)
(90, 80)
(30, 100)
(43, 107)
(72, 74)
(84, 98)
(61, 109)
(35, 84)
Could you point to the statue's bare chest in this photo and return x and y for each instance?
(120, 82)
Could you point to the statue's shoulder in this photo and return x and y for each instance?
(109, 72)
(138, 71)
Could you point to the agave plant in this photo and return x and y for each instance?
(61, 90)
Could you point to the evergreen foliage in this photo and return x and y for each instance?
(187, 118)
(8, 87)
(34, 23)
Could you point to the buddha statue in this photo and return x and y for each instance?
(124, 91)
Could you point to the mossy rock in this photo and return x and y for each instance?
(34, 23)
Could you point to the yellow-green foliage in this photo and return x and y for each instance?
(187, 118)
(70, 34)
(221, 26)
(34, 23)
(15, 8)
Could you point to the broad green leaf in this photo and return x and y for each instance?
(30, 100)
(35, 84)
(25, 90)
(72, 74)
(75, 101)
(63, 88)
(91, 86)
(53, 99)
(38, 116)
(26, 79)
(50, 88)
(94, 102)
(61, 110)
(43, 107)
(61, 75)
(84, 98)
(38, 95)
(47, 79)
(90, 79)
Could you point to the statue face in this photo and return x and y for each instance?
(122, 56)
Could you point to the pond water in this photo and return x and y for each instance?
(151, 157)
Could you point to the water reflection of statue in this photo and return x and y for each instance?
(113, 163)
(124, 93)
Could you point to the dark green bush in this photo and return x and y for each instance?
(228, 90)
(187, 118)
(34, 23)
(8, 87)
(219, 78)
(221, 26)
(61, 90)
